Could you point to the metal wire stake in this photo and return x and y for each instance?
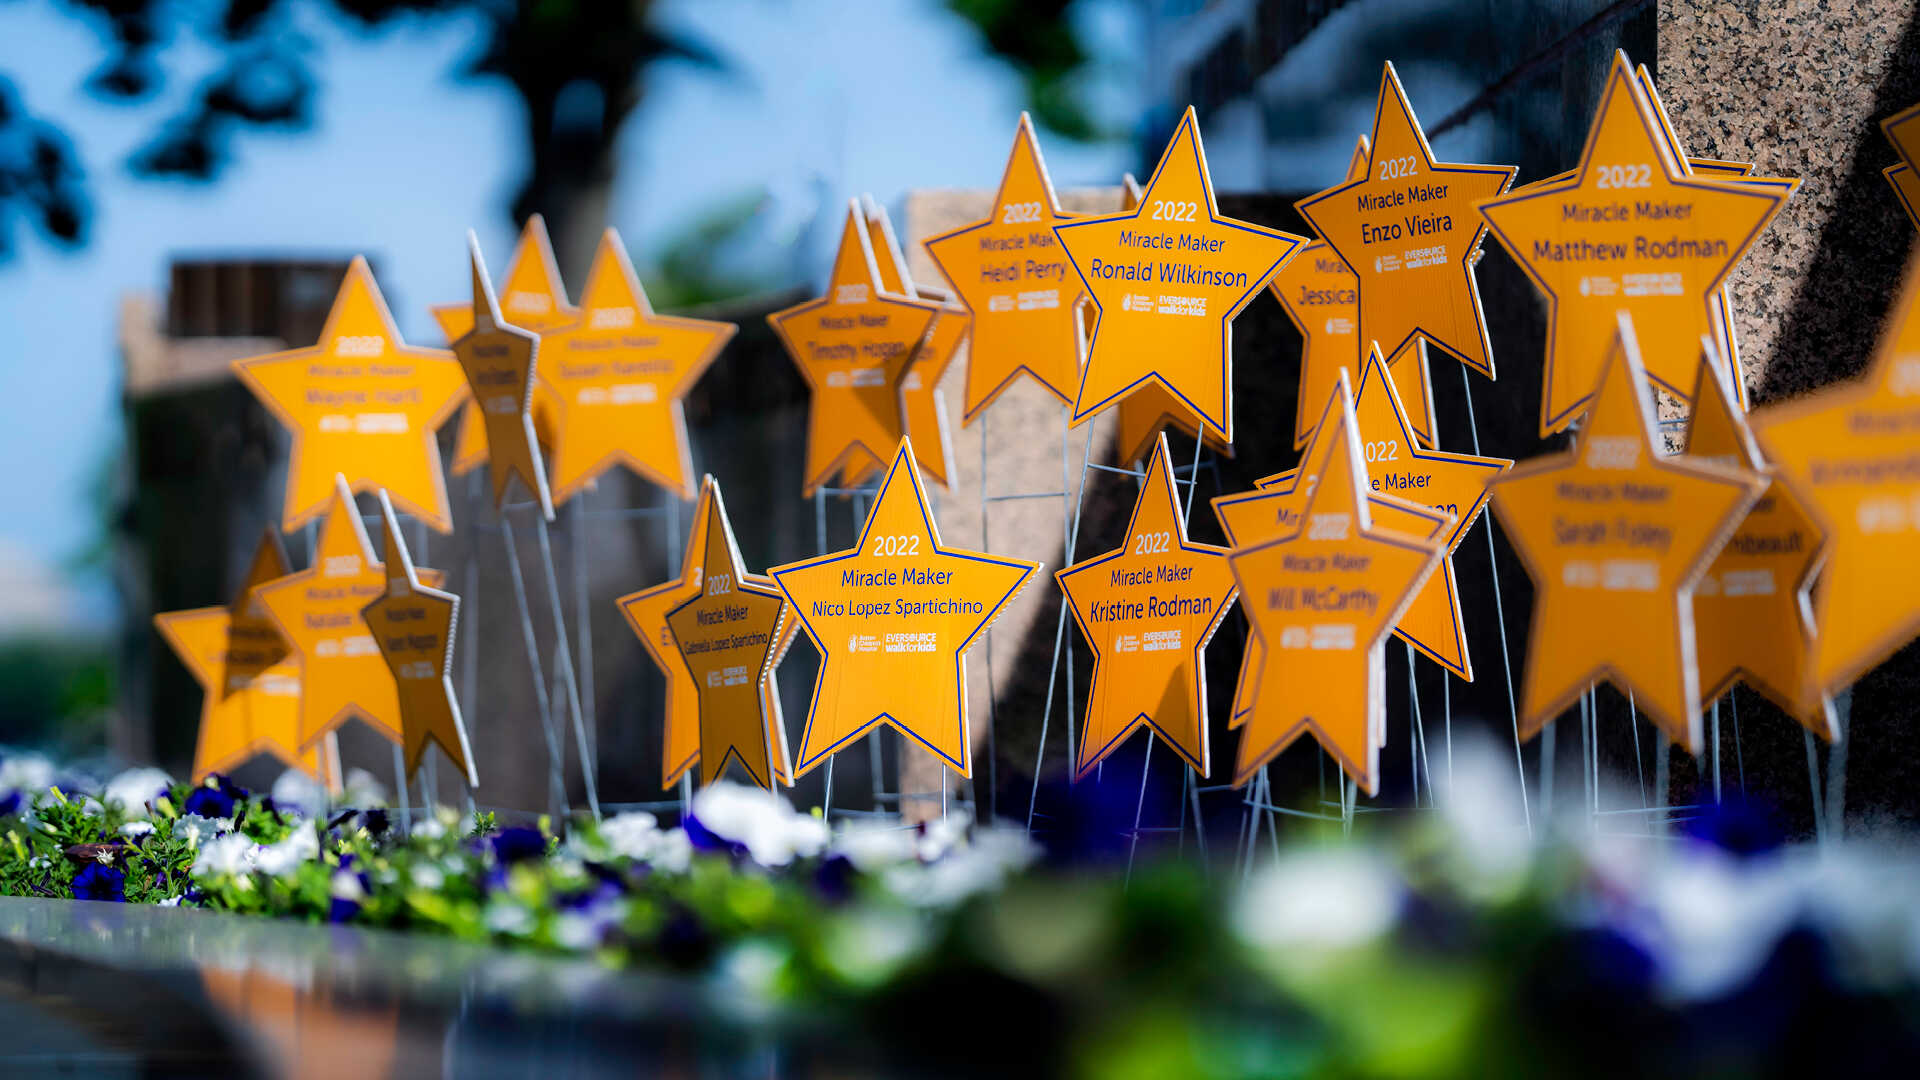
(566, 666)
(400, 787)
(556, 776)
(1500, 616)
(1140, 807)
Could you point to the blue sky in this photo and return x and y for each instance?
(403, 159)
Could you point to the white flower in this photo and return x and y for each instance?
(229, 854)
(873, 847)
(943, 833)
(428, 877)
(981, 865)
(301, 845)
(28, 774)
(429, 828)
(364, 789)
(171, 901)
(1718, 917)
(38, 862)
(299, 793)
(674, 852)
(1319, 900)
(136, 828)
(631, 836)
(134, 789)
(345, 885)
(577, 931)
(508, 917)
(91, 807)
(774, 835)
(197, 830)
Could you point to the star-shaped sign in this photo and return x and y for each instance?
(1011, 275)
(647, 611)
(1274, 509)
(1167, 279)
(363, 404)
(1615, 534)
(318, 613)
(1321, 296)
(1906, 188)
(1634, 230)
(727, 635)
(1903, 131)
(1150, 409)
(853, 346)
(533, 298)
(413, 626)
(1752, 610)
(1409, 232)
(251, 683)
(893, 620)
(1321, 599)
(619, 374)
(1851, 453)
(1148, 610)
(926, 409)
(499, 362)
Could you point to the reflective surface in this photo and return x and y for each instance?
(122, 990)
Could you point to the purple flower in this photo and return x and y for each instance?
(834, 879)
(375, 821)
(342, 909)
(705, 839)
(517, 844)
(98, 881)
(9, 803)
(214, 798)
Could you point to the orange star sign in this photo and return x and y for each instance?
(1013, 278)
(853, 346)
(1321, 295)
(727, 635)
(1150, 409)
(1147, 610)
(531, 298)
(1322, 599)
(926, 409)
(1906, 188)
(318, 613)
(1632, 230)
(499, 360)
(1752, 610)
(893, 620)
(1273, 510)
(1615, 535)
(251, 684)
(1851, 454)
(646, 612)
(362, 404)
(1167, 279)
(1409, 232)
(619, 375)
(413, 626)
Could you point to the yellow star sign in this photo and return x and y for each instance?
(926, 409)
(499, 362)
(727, 635)
(1011, 275)
(1321, 296)
(1147, 610)
(646, 612)
(1903, 131)
(532, 297)
(318, 613)
(1906, 188)
(1615, 534)
(1849, 453)
(1409, 232)
(893, 620)
(251, 683)
(853, 347)
(1150, 409)
(1632, 230)
(1167, 279)
(619, 375)
(1321, 599)
(362, 404)
(1752, 610)
(1273, 509)
(413, 627)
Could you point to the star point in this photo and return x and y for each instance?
(413, 625)
(499, 362)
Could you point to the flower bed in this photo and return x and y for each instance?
(1449, 946)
